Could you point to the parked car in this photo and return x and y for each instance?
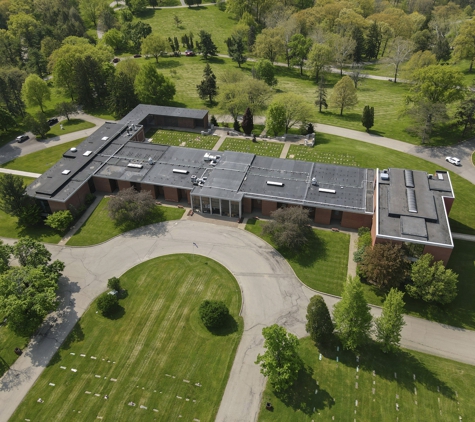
(453, 160)
(53, 121)
(22, 138)
(115, 60)
(189, 53)
(137, 56)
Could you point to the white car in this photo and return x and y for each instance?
(453, 160)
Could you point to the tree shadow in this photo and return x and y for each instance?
(314, 250)
(214, 60)
(117, 313)
(229, 326)
(168, 64)
(4, 366)
(301, 397)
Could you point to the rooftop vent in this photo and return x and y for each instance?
(314, 181)
(180, 171)
(270, 183)
(409, 178)
(87, 153)
(66, 172)
(411, 200)
(135, 166)
(73, 149)
(150, 161)
(327, 190)
(104, 138)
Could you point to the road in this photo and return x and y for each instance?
(271, 294)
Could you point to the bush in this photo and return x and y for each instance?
(130, 205)
(213, 121)
(114, 284)
(236, 126)
(213, 313)
(107, 303)
(90, 197)
(60, 220)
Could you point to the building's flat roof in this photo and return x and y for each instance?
(139, 113)
(414, 212)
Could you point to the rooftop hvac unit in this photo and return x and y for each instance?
(327, 190)
(180, 171)
(314, 181)
(135, 166)
(270, 183)
(384, 176)
(66, 172)
(104, 138)
(150, 161)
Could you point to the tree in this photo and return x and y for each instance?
(299, 49)
(12, 194)
(5, 252)
(280, 363)
(357, 74)
(107, 303)
(390, 323)
(319, 57)
(38, 124)
(343, 48)
(136, 32)
(400, 52)
(290, 227)
(154, 45)
(213, 313)
(91, 9)
(442, 49)
(152, 87)
(35, 92)
(122, 97)
(275, 118)
(385, 265)
(321, 100)
(137, 6)
(207, 46)
(419, 60)
(207, 87)
(66, 109)
(177, 20)
(247, 122)
(352, 315)
(30, 252)
(115, 39)
(297, 110)
(432, 282)
(426, 115)
(269, 44)
(264, 70)
(465, 114)
(114, 284)
(11, 82)
(368, 117)
(358, 51)
(344, 94)
(236, 49)
(60, 220)
(373, 41)
(319, 323)
(464, 43)
(6, 119)
(130, 205)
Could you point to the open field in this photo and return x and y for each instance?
(269, 149)
(182, 139)
(152, 352)
(425, 388)
(8, 342)
(72, 126)
(99, 227)
(322, 264)
(39, 162)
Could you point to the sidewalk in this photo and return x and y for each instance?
(20, 173)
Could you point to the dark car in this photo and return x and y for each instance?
(116, 60)
(189, 53)
(53, 121)
(137, 56)
(22, 138)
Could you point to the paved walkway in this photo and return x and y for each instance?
(271, 294)
(20, 173)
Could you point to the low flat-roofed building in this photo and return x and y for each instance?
(413, 207)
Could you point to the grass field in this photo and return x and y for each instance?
(99, 227)
(269, 149)
(322, 264)
(8, 342)
(182, 139)
(39, 162)
(426, 388)
(72, 126)
(155, 347)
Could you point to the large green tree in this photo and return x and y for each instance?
(464, 43)
(319, 323)
(390, 323)
(236, 49)
(122, 97)
(35, 91)
(275, 118)
(269, 44)
(206, 45)
(297, 109)
(264, 70)
(207, 89)
(6, 119)
(352, 315)
(280, 363)
(432, 282)
(344, 94)
(152, 87)
(91, 9)
(319, 57)
(154, 45)
(299, 48)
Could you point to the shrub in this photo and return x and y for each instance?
(107, 303)
(90, 197)
(213, 121)
(236, 126)
(114, 283)
(130, 205)
(213, 313)
(60, 220)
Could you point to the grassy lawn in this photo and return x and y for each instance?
(152, 347)
(39, 162)
(322, 264)
(427, 388)
(338, 150)
(99, 227)
(8, 342)
(269, 149)
(182, 139)
(72, 126)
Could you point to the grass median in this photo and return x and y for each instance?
(154, 352)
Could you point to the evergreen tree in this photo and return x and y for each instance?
(359, 50)
(319, 323)
(236, 126)
(441, 49)
(176, 44)
(368, 117)
(321, 100)
(122, 97)
(207, 88)
(206, 45)
(236, 49)
(373, 42)
(247, 122)
(251, 37)
(391, 321)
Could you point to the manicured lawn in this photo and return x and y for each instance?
(155, 348)
(8, 342)
(426, 388)
(99, 227)
(39, 162)
(338, 150)
(182, 139)
(269, 149)
(72, 126)
(322, 264)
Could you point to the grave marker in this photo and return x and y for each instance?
(143, 407)
(72, 353)
(62, 367)
(74, 370)
(52, 385)
(82, 355)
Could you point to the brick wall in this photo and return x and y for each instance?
(246, 205)
(123, 184)
(322, 216)
(57, 206)
(187, 123)
(171, 194)
(268, 207)
(439, 254)
(355, 221)
(448, 204)
(148, 188)
(102, 185)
